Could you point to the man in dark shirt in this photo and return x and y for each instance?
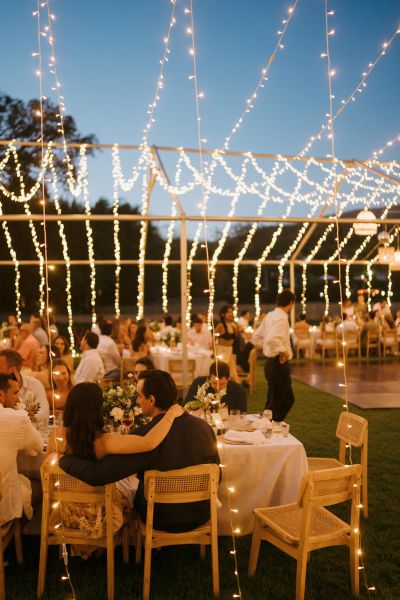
(235, 397)
(190, 442)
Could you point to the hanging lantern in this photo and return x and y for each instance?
(386, 255)
(365, 224)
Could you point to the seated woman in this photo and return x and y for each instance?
(141, 343)
(82, 435)
(62, 385)
(62, 344)
(42, 365)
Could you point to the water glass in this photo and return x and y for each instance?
(285, 429)
(267, 414)
(235, 414)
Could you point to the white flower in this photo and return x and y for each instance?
(117, 413)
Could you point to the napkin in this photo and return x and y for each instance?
(262, 424)
(246, 437)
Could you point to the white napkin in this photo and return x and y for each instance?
(262, 424)
(248, 437)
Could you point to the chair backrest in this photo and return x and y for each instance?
(252, 359)
(64, 488)
(373, 336)
(175, 365)
(192, 484)
(330, 486)
(329, 336)
(351, 336)
(352, 429)
(303, 334)
(224, 353)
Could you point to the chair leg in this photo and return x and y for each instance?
(354, 563)
(42, 565)
(214, 564)
(202, 551)
(110, 572)
(254, 551)
(18, 542)
(301, 575)
(147, 568)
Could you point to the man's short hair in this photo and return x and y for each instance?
(196, 319)
(244, 312)
(146, 362)
(372, 314)
(92, 339)
(344, 316)
(105, 327)
(13, 358)
(285, 298)
(160, 385)
(168, 320)
(5, 380)
(220, 369)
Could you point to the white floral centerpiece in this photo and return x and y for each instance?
(117, 400)
(206, 401)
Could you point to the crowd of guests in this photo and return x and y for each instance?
(40, 379)
(357, 320)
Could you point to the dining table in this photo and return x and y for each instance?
(258, 475)
(161, 355)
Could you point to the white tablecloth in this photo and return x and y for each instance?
(265, 475)
(161, 355)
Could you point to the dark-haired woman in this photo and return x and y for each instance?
(62, 344)
(141, 343)
(228, 335)
(62, 385)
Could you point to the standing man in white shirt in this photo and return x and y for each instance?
(274, 334)
(90, 368)
(31, 390)
(197, 336)
(108, 351)
(16, 433)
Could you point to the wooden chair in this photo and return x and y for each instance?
(350, 340)
(328, 343)
(224, 353)
(389, 342)
(373, 343)
(58, 486)
(175, 369)
(127, 370)
(192, 484)
(250, 377)
(8, 531)
(302, 527)
(351, 429)
(304, 342)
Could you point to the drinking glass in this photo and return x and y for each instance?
(285, 429)
(267, 414)
(235, 414)
(127, 421)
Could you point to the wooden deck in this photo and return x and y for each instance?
(373, 385)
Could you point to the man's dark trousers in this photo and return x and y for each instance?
(280, 397)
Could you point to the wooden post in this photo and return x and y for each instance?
(293, 288)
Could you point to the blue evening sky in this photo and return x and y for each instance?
(108, 61)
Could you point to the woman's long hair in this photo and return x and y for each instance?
(83, 418)
(139, 338)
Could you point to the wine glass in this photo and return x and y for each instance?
(127, 420)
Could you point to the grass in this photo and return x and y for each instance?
(178, 574)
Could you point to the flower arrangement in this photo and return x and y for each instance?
(29, 404)
(117, 400)
(172, 339)
(206, 401)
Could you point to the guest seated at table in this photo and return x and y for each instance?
(244, 319)
(371, 325)
(349, 308)
(197, 337)
(142, 364)
(397, 323)
(38, 331)
(347, 327)
(142, 342)
(16, 433)
(132, 332)
(13, 330)
(190, 441)
(327, 325)
(63, 346)
(42, 365)
(31, 391)
(91, 366)
(167, 329)
(108, 351)
(219, 378)
(301, 324)
(27, 345)
(387, 325)
(62, 385)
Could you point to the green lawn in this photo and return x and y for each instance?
(179, 574)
